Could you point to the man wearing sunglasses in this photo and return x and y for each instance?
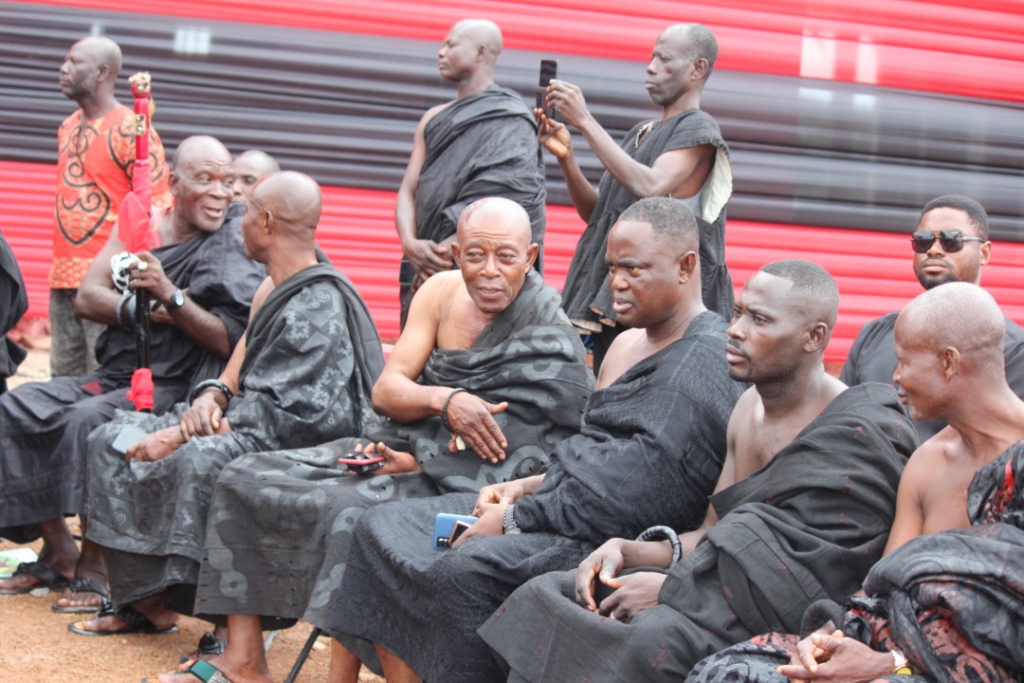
(950, 244)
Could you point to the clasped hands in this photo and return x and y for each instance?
(633, 593)
(205, 417)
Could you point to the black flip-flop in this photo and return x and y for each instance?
(83, 584)
(136, 621)
(47, 575)
(209, 644)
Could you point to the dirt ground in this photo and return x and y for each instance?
(35, 644)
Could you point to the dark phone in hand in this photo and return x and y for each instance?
(548, 71)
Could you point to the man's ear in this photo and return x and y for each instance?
(687, 264)
(531, 254)
(456, 254)
(985, 252)
(700, 69)
(172, 183)
(817, 337)
(951, 360)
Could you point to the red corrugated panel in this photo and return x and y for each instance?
(873, 270)
(947, 46)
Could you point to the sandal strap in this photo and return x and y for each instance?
(135, 619)
(207, 672)
(106, 609)
(84, 584)
(44, 572)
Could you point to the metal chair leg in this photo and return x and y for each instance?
(297, 667)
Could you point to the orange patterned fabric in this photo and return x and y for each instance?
(94, 172)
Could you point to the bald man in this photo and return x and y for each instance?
(250, 167)
(311, 355)
(949, 346)
(96, 158)
(651, 449)
(801, 511)
(487, 356)
(680, 154)
(482, 143)
(201, 283)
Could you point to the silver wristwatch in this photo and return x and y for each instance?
(177, 300)
(508, 522)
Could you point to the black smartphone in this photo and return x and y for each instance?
(548, 71)
(126, 438)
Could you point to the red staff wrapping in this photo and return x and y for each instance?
(134, 226)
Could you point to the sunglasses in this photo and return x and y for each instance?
(951, 240)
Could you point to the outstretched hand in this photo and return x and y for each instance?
(470, 418)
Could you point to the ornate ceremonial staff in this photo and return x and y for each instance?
(135, 217)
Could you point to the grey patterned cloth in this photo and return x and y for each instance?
(280, 524)
(807, 525)
(650, 451)
(312, 357)
(44, 425)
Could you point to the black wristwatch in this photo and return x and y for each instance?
(177, 300)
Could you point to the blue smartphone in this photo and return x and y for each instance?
(448, 528)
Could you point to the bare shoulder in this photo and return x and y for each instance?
(432, 112)
(262, 292)
(440, 290)
(623, 354)
(932, 458)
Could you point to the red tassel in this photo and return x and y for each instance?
(141, 393)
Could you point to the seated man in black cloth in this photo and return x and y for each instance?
(13, 304)
(311, 357)
(204, 283)
(801, 512)
(950, 244)
(488, 355)
(945, 605)
(651, 448)
(481, 144)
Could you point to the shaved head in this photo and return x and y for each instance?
(293, 198)
(958, 315)
(197, 147)
(105, 51)
(694, 40)
(497, 210)
(812, 285)
(481, 32)
(250, 167)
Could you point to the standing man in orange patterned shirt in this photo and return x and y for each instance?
(94, 173)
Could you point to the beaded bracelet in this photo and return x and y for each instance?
(444, 409)
(663, 533)
(211, 384)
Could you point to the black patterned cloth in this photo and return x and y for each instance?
(483, 145)
(650, 451)
(807, 525)
(44, 425)
(281, 523)
(953, 602)
(312, 357)
(586, 292)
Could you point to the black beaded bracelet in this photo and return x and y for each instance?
(663, 533)
(211, 384)
(444, 409)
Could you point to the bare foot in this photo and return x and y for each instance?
(85, 594)
(146, 616)
(43, 574)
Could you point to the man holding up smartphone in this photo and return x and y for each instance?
(481, 144)
(681, 154)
